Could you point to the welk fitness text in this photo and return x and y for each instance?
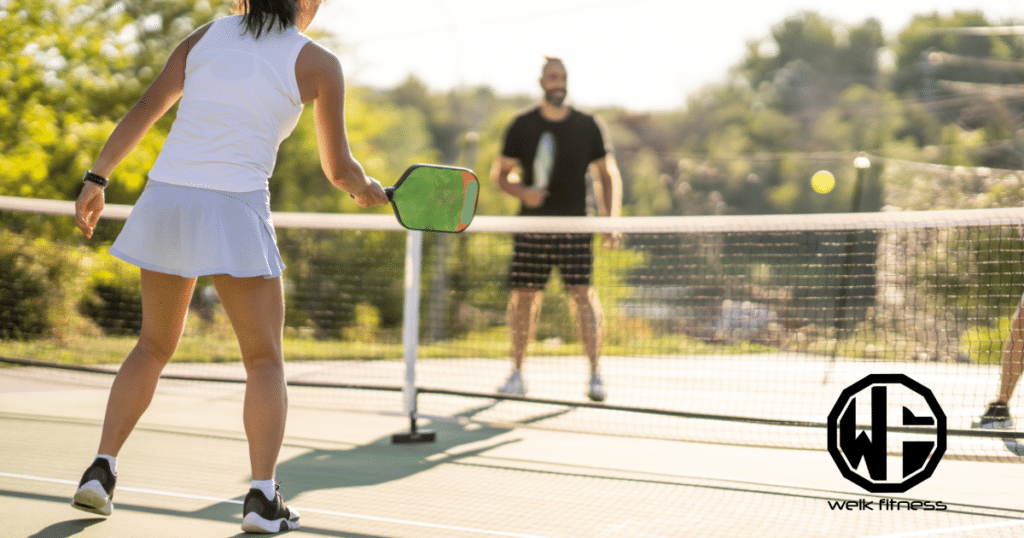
(884, 505)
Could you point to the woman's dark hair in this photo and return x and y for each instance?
(260, 15)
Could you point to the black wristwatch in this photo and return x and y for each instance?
(95, 178)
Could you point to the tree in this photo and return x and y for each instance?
(73, 69)
(809, 59)
(936, 47)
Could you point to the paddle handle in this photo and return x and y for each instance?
(389, 191)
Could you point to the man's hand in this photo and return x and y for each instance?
(88, 208)
(611, 241)
(533, 197)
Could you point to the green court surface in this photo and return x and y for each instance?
(184, 472)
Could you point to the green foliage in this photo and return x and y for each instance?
(920, 46)
(24, 283)
(811, 95)
(31, 306)
(984, 344)
(72, 70)
(385, 139)
(647, 197)
(322, 291)
(113, 298)
(992, 263)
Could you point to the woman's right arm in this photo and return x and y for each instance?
(321, 80)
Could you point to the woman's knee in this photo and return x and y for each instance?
(158, 350)
(264, 357)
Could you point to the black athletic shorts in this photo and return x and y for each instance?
(535, 255)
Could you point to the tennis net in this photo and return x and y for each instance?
(740, 330)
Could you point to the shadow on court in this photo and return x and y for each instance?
(1014, 447)
(381, 461)
(218, 512)
(66, 529)
(71, 527)
(378, 462)
(375, 463)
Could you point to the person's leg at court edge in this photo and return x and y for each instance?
(165, 300)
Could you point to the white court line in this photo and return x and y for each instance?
(940, 532)
(297, 508)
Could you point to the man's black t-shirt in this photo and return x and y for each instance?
(578, 141)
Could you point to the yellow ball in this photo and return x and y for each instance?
(823, 181)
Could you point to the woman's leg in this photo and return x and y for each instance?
(255, 307)
(165, 300)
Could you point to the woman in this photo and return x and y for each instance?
(243, 81)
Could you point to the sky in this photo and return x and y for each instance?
(642, 55)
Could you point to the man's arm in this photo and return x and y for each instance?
(608, 186)
(608, 193)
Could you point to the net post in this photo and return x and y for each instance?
(410, 337)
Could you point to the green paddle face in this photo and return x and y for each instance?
(435, 198)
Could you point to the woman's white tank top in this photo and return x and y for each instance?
(240, 101)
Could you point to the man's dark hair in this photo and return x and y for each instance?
(552, 60)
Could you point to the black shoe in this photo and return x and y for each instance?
(996, 417)
(96, 490)
(264, 516)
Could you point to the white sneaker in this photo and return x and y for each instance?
(596, 391)
(514, 386)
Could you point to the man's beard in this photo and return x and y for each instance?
(555, 97)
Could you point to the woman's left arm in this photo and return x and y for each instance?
(159, 98)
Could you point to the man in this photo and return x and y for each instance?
(553, 146)
(997, 416)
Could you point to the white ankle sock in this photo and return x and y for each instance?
(111, 460)
(267, 487)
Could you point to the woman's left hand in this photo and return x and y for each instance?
(88, 208)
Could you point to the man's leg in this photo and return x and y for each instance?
(590, 328)
(586, 309)
(523, 313)
(528, 275)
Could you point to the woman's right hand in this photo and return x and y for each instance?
(372, 195)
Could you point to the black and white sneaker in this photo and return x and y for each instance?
(997, 416)
(96, 490)
(264, 516)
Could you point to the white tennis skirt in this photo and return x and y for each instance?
(193, 232)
